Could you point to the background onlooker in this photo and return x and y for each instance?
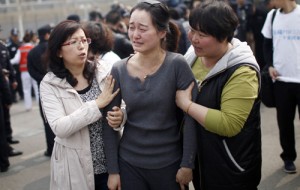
(28, 82)
(13, 43)
(260, 14)
(183, 43)
(282, 53)
(5, 96)
(122, 46)
(102, 42)
(8, 71)
(37, 69)
(74, 17)
(244, 11)
(96, 16)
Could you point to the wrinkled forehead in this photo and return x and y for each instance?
(141, 17)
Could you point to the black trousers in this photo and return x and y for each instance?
(287, 97)
(19, 88)
(4, 147)
(101, 181)
(133, 177)
(196, 176)
(48, 131)
(7, 123)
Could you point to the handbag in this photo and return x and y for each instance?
(267, 84)
(267, 89)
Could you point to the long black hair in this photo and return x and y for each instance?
(59, 35)
(160, 17)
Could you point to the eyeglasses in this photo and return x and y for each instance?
(76, 42)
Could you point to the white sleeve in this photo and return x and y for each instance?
(267, 28)
(16, 59)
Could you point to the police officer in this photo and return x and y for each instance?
(4, 97)
(13, 43)
(9, 72)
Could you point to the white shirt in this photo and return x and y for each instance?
(286, 43)
(110, 57)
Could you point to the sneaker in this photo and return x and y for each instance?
(289, 167)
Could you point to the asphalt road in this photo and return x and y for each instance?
(31, 170)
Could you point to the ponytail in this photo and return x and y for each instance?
(172, 38)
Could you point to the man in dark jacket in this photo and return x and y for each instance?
(4, 147)
(37, 70)
(122, 46)
(244, 12)
(10, 71)
(13, 44)
(6, 130)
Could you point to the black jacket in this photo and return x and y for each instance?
(122, 46)
(12, 47)
(229, 163)
(5, 62)
(5, 94)
(35, 63)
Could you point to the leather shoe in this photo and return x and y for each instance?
(13, 141)
(14, 152)
(4, 169)
(47, 153)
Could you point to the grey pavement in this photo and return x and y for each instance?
(31, 170)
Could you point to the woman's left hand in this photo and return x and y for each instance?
(184, 97)
(184, 176)
(115, 117)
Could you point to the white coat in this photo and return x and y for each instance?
(68, 117)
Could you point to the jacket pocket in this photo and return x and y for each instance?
(233, 161)
(60, 168)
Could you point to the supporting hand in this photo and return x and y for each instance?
(107, 96)
(115, 117)
(184, 97)
(114, 182)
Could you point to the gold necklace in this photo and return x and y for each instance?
(152, 71)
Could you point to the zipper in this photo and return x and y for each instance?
(232, 158)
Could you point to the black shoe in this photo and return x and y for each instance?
(4, 169)
(289, 167)
(14, 152)
(47, 153)
(13, 141)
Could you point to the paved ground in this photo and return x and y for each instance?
(30, 171)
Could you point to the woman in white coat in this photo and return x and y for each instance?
(73, 94)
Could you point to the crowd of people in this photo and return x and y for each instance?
(157, 95)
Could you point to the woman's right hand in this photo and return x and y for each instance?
(184, 97)
(273, 73)
(107, 94)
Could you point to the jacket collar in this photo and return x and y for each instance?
(103, 69)
(239, 53)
